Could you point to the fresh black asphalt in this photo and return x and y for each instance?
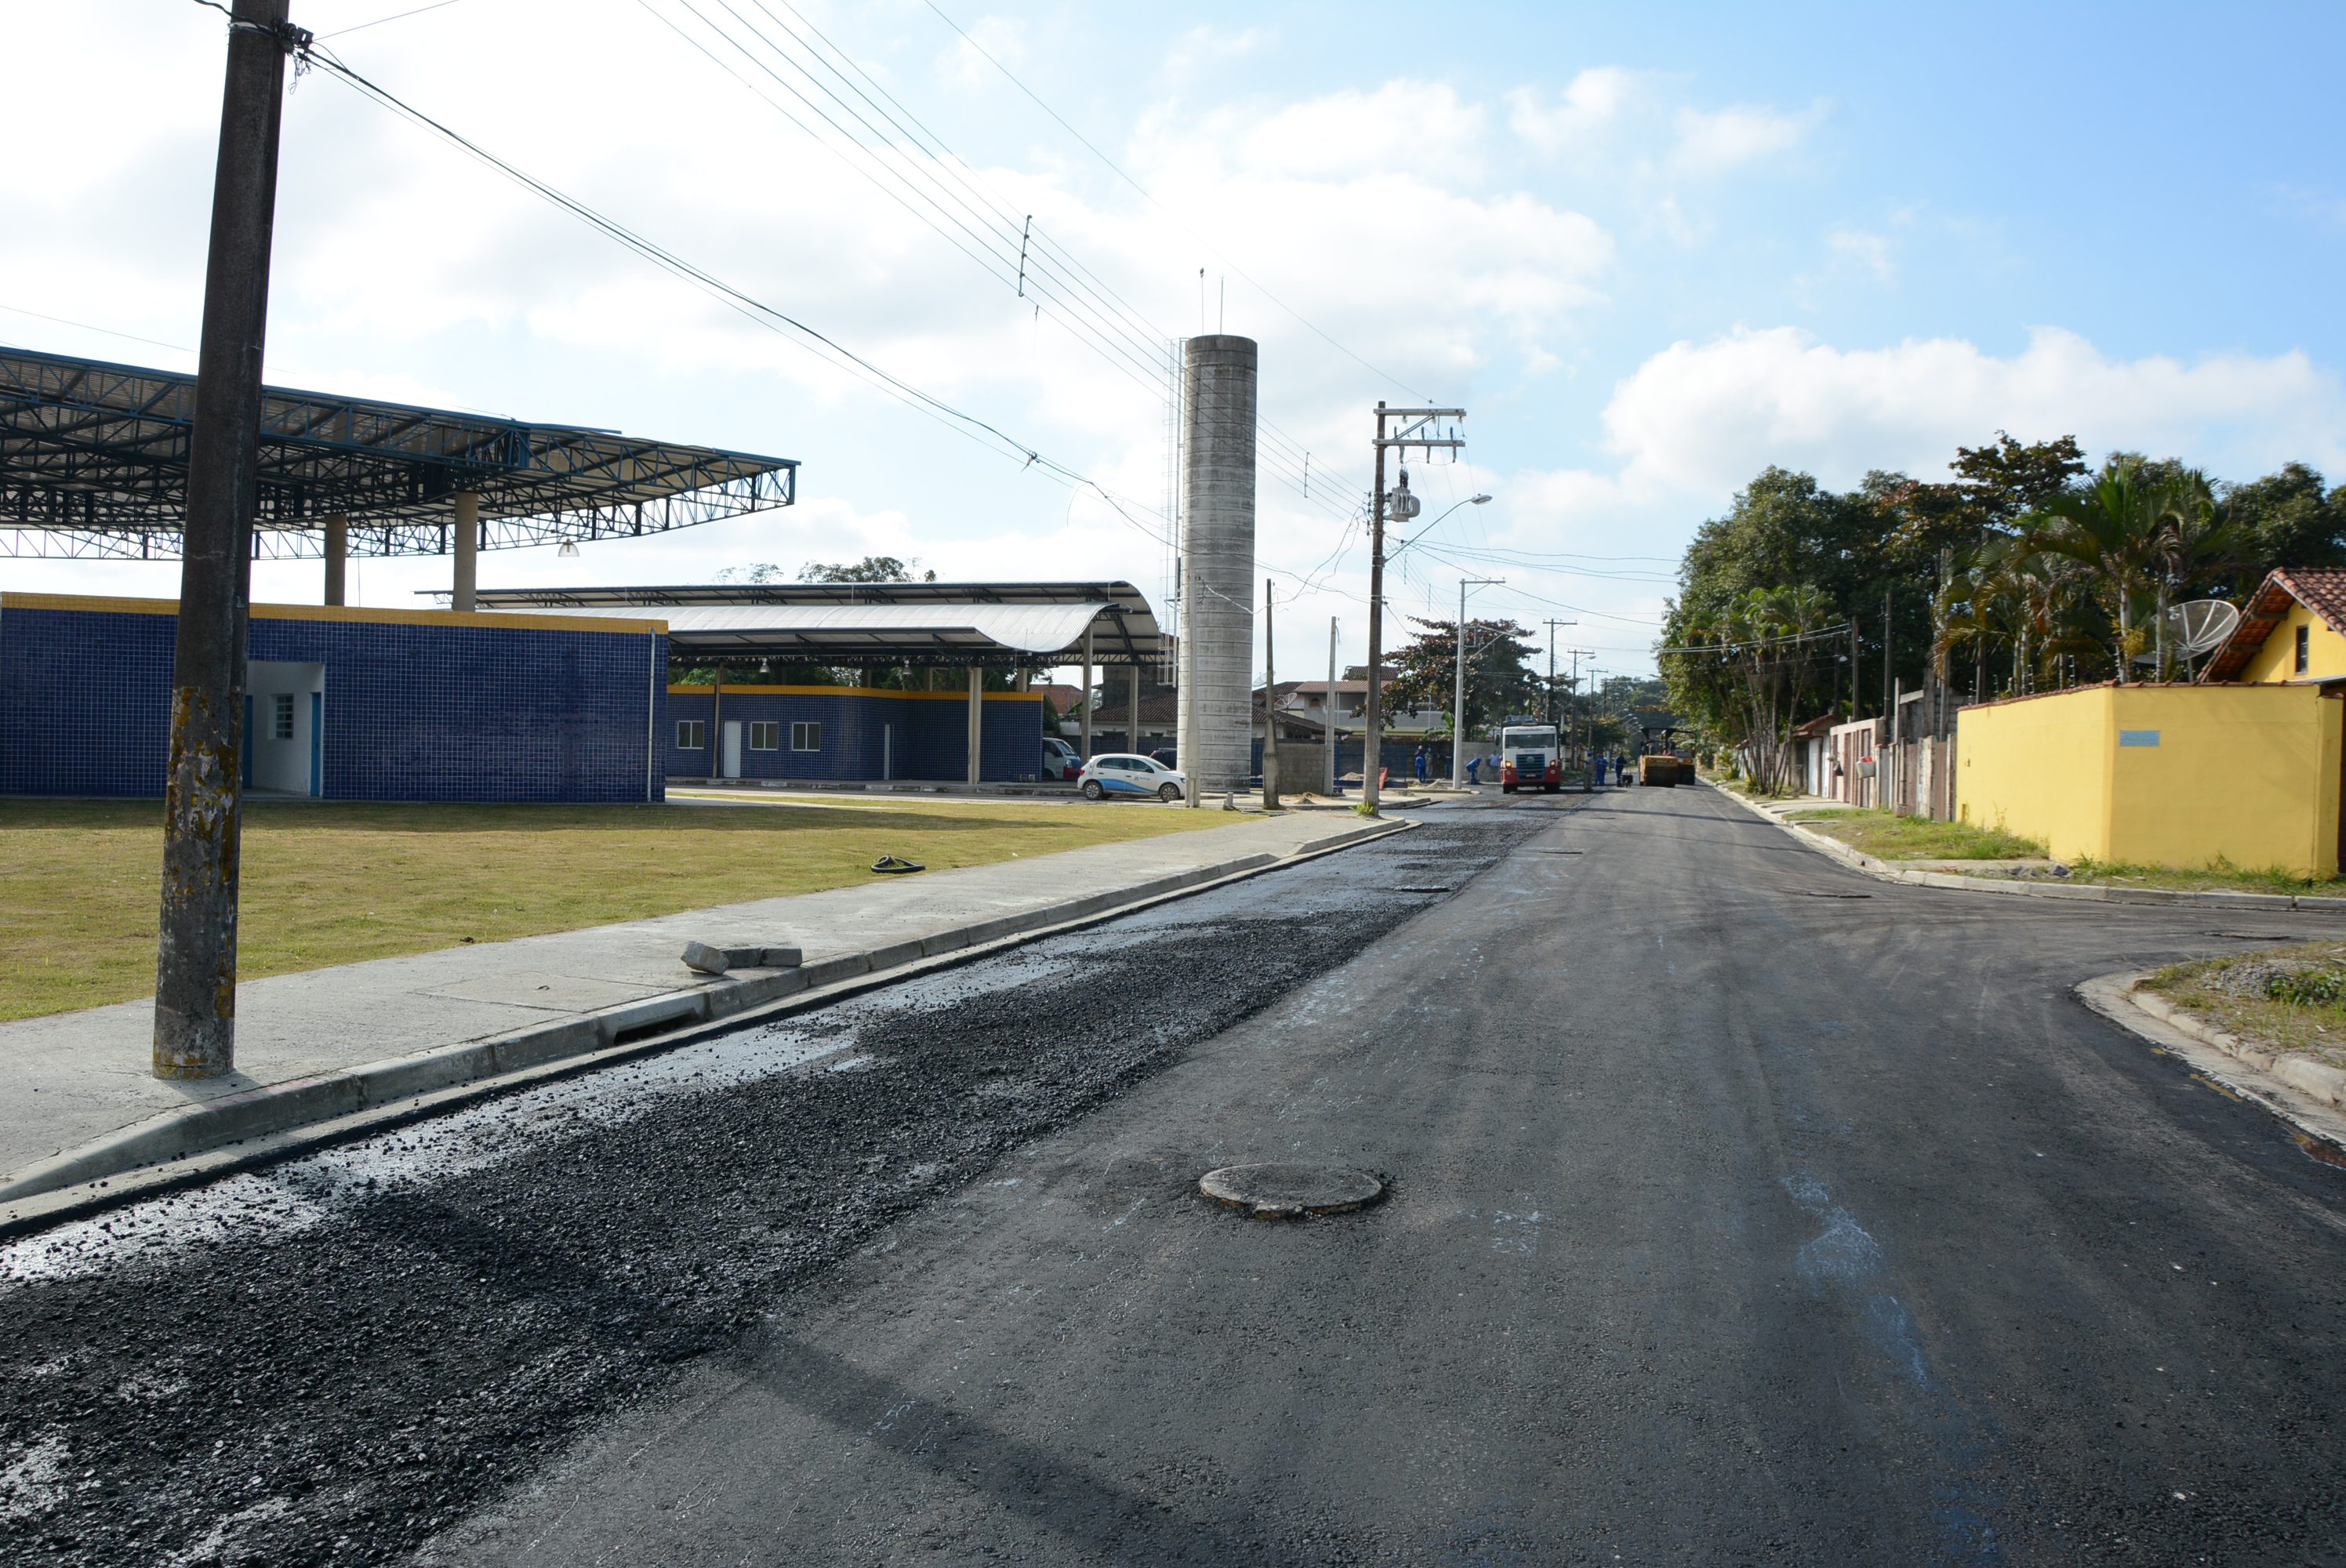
(1741, 1210)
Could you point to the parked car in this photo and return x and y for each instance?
(1060, 762)
(1120, 773)
(1164, 758)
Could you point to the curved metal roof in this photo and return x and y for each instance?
(875, 623)
(94, 462)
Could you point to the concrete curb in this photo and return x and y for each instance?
(2091, 892)
(2307, 1093)
(198, 1142)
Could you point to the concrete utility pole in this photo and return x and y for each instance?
(1587, 736)
(1372, 715)
(1553, 717)
(1458, 684)
(1270, 710)
(203, 797)
(1887, 710)
(1328, 710)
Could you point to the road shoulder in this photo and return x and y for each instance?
(2313, 1102)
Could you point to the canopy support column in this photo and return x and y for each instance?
(976, 719)
(467, 546)
(1086, 755)
(338, 551)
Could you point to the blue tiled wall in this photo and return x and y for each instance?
(929, 738)
(413, 711)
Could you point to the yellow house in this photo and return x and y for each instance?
(2293, 627)
(2242, 767)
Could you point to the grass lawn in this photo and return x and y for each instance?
(335, 883)
(2294, 998)
(1895, 838)
(2218, 877)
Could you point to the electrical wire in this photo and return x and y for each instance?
(791, 327)
(1151, 199)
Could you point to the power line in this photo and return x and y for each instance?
(807, 337)
(1151, 199)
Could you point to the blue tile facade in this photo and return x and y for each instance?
(912, 734)
(448, 709)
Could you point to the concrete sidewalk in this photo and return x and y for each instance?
(75, 1092)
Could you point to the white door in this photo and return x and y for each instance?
(731, 767)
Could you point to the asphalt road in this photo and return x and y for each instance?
(1742, 1210)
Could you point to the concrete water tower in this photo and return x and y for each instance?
(1217, 670)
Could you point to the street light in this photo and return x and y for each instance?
(1430, 527)
(1458, 696)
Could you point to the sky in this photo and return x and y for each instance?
(1650, 249)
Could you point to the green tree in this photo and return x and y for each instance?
(2285, 519)
(1498, 679)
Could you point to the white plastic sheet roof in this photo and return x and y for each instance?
(901, 629)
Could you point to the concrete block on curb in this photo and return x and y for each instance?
(706, 960)
(2308, 1076)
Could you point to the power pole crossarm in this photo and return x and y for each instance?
(203, 799)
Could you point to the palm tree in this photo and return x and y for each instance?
(2137, 537)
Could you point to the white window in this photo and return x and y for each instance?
(806, 737)
(691, 734)
(280, 719)
(765, 735)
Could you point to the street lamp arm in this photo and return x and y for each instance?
(1430, 527)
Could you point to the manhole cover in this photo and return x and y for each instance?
(1280, 1191)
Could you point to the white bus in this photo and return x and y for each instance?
(1529, 758)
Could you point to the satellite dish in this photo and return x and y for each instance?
(2196, 627)
(2202, 624)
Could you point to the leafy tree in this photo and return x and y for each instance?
(1498, 679)
(871, 569)
(2285, 519)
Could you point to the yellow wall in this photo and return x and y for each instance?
(2325, 650)
(2246, 774)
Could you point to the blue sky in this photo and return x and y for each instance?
(1651, 249)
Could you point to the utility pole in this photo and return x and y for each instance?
(1553, 715)
(1270, 709)
(1328, 709)
(1886, 661)
(1458, 692)
(203, 797)
(1410, 434)
(1587, 740)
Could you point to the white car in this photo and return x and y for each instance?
(1121, 773)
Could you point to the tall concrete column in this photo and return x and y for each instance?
(1087, 689)
(976, 719)
(337, 553)
(1217, 685)
(1132, 708)
(467, 542)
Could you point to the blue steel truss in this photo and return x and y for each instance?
(94, 463)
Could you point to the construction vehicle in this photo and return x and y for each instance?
(1662, 768)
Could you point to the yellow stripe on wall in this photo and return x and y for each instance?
(731, 690)
(88, 602)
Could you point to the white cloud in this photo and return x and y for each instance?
(1003, 37)
(1869, 252)
(1702, 418)
(1590, 104)
(1206, 45)
(1719, 141)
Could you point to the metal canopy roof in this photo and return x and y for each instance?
(876, 623)
(94, 462)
